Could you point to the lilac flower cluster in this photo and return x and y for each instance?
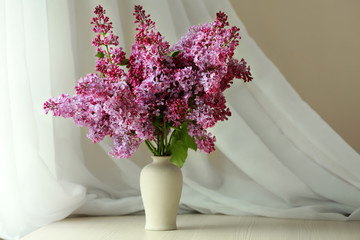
(163, 87)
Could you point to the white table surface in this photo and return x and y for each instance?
(197, 226)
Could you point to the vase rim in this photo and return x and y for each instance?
(161, 158)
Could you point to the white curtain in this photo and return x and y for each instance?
(275, 156)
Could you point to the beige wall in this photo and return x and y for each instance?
(316, 45)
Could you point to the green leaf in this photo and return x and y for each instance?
(124, 62)
(180, 144)
(174, 53)
(100, 55)
(178, 153)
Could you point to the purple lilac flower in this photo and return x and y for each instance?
(158, 88)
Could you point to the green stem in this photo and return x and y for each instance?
(165, 130)
(171, 136)
(151, 147)
(161, 144)
(108, 53)
(157, 141)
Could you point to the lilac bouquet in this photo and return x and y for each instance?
(166, 96)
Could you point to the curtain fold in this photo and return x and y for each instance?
(274, 157)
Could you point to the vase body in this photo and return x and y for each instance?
(161, 185)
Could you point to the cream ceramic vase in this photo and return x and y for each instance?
(161, 185)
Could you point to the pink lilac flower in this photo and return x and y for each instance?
(158, 87)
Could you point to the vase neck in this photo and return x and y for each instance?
(161, 159)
